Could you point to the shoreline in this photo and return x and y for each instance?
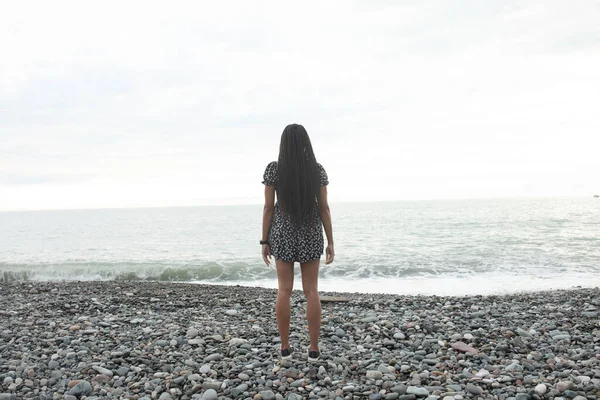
(272, 285)
(448, 286)
(156, 340)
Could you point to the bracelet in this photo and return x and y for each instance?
(264, 242)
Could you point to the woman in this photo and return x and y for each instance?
(292, 230)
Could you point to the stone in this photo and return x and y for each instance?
(374, 375)
(231, 313)
(400, 389)
(100, 378)
(461, 346)
(561, 337)
(213, 357)
(237, 341)
(584, 379)
(205, 369)
(215, 385)
(524, 333)
(370, 319)
(385, 369)
(267, 395)
(407, 397)
(476, 390)
(417, 391)
(82, 388)
(103, 371)
(541, 389)
(210, 394)
(192, 333)
(514, 367)
(522, 396)
(564, 385)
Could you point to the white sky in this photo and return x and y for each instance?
(117, 104)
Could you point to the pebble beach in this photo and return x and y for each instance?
(150, 340)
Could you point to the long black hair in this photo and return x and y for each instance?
(298, 173)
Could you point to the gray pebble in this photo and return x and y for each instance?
(417, 391)
(205, 369)
(103, 371)
(400, 389)
(407, 397)
(476, 390)
(374, 375)
(267, 395)
(213, 357)
(210, 394)
(83, 388)
(522, 396)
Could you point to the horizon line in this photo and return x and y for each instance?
(260, 203)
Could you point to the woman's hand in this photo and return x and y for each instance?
(329, 254)
(266, 253)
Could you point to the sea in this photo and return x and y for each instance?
(449, 247)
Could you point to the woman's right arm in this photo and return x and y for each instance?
(326, 218)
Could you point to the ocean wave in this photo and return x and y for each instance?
(88, 271)
(252, 270)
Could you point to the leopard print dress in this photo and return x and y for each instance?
(289, 242)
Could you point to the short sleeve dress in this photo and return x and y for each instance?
(289, 242)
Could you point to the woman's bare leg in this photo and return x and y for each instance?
(285, 277)
(310, 280)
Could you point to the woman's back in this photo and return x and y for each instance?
(293, 196)
(293, 229)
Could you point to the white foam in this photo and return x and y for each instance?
(483, 284)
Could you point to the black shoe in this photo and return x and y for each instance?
(313, 356)
(286, 354)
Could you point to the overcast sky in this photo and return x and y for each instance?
(113, 104)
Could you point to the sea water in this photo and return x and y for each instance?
(451, 247)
